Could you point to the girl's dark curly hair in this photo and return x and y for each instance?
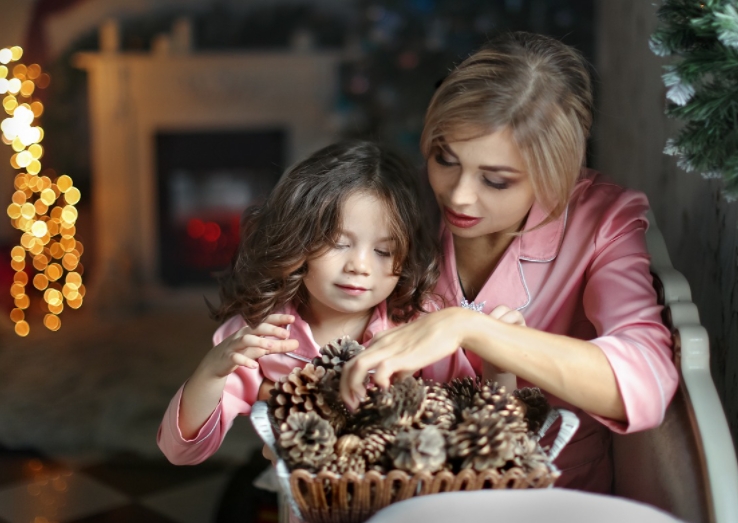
(301, 219)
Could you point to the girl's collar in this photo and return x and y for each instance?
(300, 329)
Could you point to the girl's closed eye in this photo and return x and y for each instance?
(342, 243)
(385, 248)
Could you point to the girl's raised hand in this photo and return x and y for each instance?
(247, 345)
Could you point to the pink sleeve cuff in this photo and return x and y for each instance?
(181, 451)
(205, 431)
(646, 379)
(240, 393)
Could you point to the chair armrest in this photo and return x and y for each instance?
(692, 357)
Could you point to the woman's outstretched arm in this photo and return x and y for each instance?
(576, 371)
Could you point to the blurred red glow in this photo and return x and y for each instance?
(195, 228)
(212, 232)
(216, 244)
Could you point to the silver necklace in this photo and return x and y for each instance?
(466, 304)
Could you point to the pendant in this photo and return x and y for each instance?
(472, 306)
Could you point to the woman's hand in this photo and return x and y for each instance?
(247, 345)
(402, 351)
(408, 348)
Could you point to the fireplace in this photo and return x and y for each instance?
(167, 128)
(205, 181)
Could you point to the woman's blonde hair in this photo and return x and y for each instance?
(532, 84)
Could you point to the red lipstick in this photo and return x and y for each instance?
(462, 221)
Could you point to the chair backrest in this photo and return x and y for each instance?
(687, 466)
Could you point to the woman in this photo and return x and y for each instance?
(526, 228)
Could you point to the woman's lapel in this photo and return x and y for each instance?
(507, 284)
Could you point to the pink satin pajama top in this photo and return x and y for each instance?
(586, 275)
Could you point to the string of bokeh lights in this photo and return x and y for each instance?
(43, 206)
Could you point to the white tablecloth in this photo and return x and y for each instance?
(521, 506)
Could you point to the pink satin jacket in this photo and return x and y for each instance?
(242, 386)
(586, 275)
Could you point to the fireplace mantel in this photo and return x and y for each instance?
(132, 96)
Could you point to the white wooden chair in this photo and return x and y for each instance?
(687, 466)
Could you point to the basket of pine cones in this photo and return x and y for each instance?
(414, 438)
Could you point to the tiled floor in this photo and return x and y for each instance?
(88, 400)
(38, 489)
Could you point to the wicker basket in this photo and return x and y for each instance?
(327, 497)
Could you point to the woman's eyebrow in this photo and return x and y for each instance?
(499, 168)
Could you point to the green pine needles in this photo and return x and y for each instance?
(702, 85)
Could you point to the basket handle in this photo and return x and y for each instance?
(260, 420)
(569, 426)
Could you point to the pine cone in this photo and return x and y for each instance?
(375, 440)
(336, 353)
(419, 450)
(538, 463)
(306, 441)
(335, 409)
(462, 392)
(490, 393)
(348, 456)
(399, 406)
(530, 457)
(296, 392)
(439, 409)
(484, 439)
(493, 397)
(310, 389)
(535, 406)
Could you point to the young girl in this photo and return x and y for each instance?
(339, 248)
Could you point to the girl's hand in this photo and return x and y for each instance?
(507, 315)
(493, 372)
(264, 389)
(268, 454)
(203, 390)
(247, 345)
